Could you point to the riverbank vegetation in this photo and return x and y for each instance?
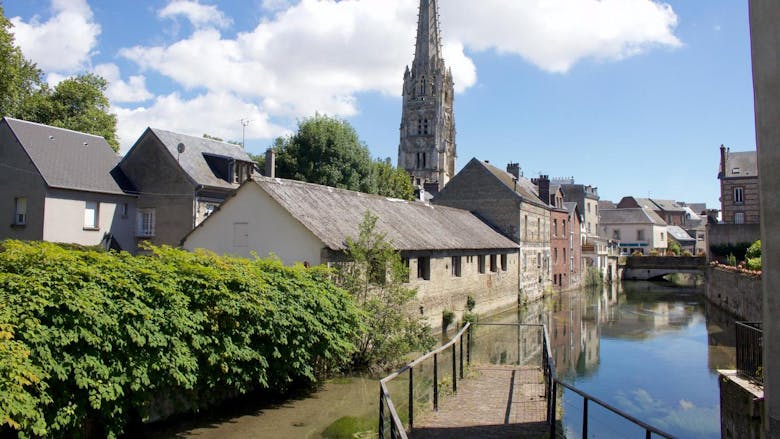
(90, 341)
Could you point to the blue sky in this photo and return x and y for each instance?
(632, 96)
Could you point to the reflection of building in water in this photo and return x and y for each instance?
(574, 335)
(641, 320)
(721, 338)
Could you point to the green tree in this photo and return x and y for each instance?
(391, 181)
(376, 276)
(326, 150)
(19, 77)
(674, 247)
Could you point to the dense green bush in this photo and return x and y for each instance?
(722, 251)
(753, 256)
(93, 338)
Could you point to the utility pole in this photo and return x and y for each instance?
(244, 123)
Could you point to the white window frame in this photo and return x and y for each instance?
(739, 195)
(739, 217)
(20, 211)
(145, 223)
(91, 215)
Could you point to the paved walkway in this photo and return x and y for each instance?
(495, 402)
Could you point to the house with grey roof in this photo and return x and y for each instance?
(180, 180)
(681, 236)
(637, 229)
(510, 203)
(672, 212)
(739, 191)
(451, 253)
(60, 185)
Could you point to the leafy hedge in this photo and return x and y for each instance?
(93, 339)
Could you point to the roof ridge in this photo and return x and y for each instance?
(53, 127)
(223, 142)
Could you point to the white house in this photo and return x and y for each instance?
(637, 229)
(451, 253)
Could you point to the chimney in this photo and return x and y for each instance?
(514, 169)
(544, 188)
(270, 163)
(723, 152)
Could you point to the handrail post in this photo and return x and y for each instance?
(454, 371)
(381, 413)
(468, 346)
(411, 398)
(461, 357)
(552, 411)
(436, 382)
(585, 418)
(648, 434)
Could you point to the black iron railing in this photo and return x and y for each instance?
(391, 424)
(750, 362)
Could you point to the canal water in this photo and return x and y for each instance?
(649, 349)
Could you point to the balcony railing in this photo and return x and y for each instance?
(750, 362)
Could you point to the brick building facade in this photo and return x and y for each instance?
(739, 191)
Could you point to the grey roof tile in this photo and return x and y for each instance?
(334, 214)
(68, 159)
(741, 164)
(630, 216)
(192, 160)
(524, 186)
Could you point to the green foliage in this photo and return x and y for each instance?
(349, 427)
(447, 317)
(674, 247)
(325, 150)
(469, 317)
(754, 251)
(731, 260)
(754, 264)
(96, 337)
(78, 103)
(687, 254)
(470, 303)
(593, 277)
(19, 77)
(376, 277)
(391, 181)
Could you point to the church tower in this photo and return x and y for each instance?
(427, 148)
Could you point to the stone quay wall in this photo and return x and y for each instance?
(738, 293)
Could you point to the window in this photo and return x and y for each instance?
(739, 195)
(504, 262)
(588, 206)
(555, 227)
(538, 229)
(419, 126)
(405, 261)
(481, 263)
(662, 236)
(564, 228)
(144, 223)
(20, 211)
(555, 255)
(616, 234)
(456, 266)
(588, 227)
(739, 218)
(424, 268)
(640, 235)
(125, 210)
(425, 126)
(525, 228)
(494, 263)
(91, 215)
(240, 234)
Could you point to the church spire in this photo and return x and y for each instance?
(427, 55)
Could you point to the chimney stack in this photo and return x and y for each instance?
(514, 169)
(270, 163)
(544, 188)
(723, 153)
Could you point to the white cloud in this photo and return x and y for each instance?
(556, 34)
(217, 114)
(63, 43)
(199, 15)
(132, 90)
(276, 5)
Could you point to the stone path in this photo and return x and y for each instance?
(495, 402)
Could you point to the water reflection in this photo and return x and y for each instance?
(650, 349)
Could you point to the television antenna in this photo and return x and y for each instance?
(244, 124)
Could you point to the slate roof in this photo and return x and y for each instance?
(334, 214)
(571, 207)
(698, 208)
(679, 234)
(606, 204)
(525, 188)
(668, 205)
(69, 159)
(630, 216)
(744, 162)
(192, 161)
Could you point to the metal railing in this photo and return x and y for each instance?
(396, 427)
(391, 424)
(750, 362)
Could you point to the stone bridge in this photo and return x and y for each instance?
(655, 267)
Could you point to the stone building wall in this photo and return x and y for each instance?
(492, 290)
(750, 204)
(737, 293)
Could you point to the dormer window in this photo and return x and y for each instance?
(735, 171)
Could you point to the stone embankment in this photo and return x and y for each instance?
(736, 290)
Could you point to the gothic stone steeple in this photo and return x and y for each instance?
(427, 148)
